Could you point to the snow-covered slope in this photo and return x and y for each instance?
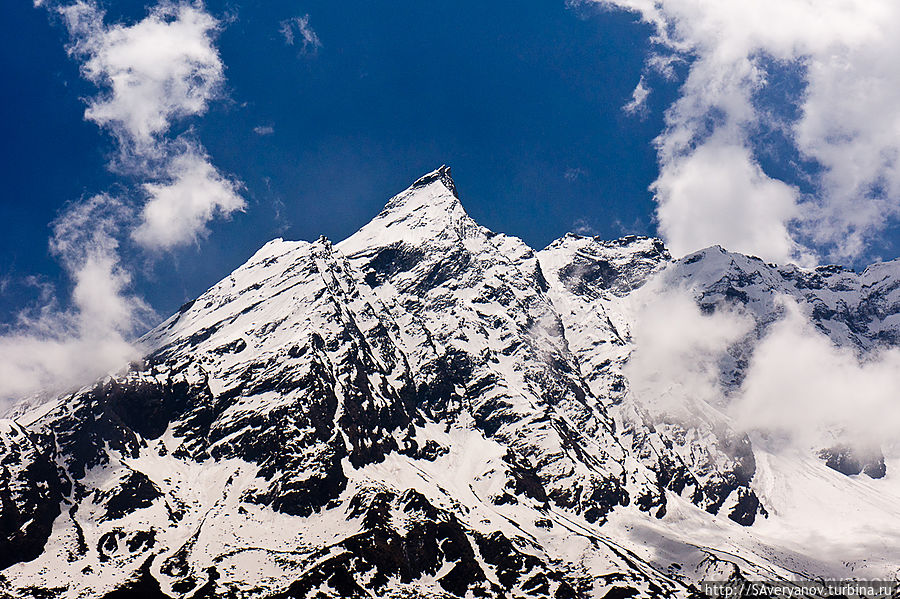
(431, 409)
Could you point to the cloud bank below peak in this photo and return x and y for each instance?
(843, 123)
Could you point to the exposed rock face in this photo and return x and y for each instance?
(427, 409)
(31, 488)
(850, 460)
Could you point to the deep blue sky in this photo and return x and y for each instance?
(512, 95)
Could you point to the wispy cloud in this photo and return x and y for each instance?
(574, 173)
(160, 69)
(263, 130)
(582, 226)
(299, 26)
(51, 348)
(638, 103)
(678, 349)
(845, 120)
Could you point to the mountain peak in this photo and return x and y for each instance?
(441, 175)
(428, 209)
(434, 190)
(431, 410)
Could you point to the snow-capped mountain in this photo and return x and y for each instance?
(432, 409)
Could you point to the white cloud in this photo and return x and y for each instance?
(31, 364)
(51, 349)
(638, 102)
(678, 349)
(801, 386)
(178, 210)
(849, 113)
(719, 195)
(162, 67)
(84, 240)
(263, 130)
(309, 38)
(159, 69)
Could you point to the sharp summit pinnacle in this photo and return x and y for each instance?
(442, 174)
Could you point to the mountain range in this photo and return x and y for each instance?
(432, 409)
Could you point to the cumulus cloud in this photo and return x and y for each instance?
(291, 28)
(178, 210)
(718, 194)
(162, 67)
(847, 114)
(159, 69)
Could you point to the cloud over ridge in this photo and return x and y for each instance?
(847, 121)
(799, 389)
